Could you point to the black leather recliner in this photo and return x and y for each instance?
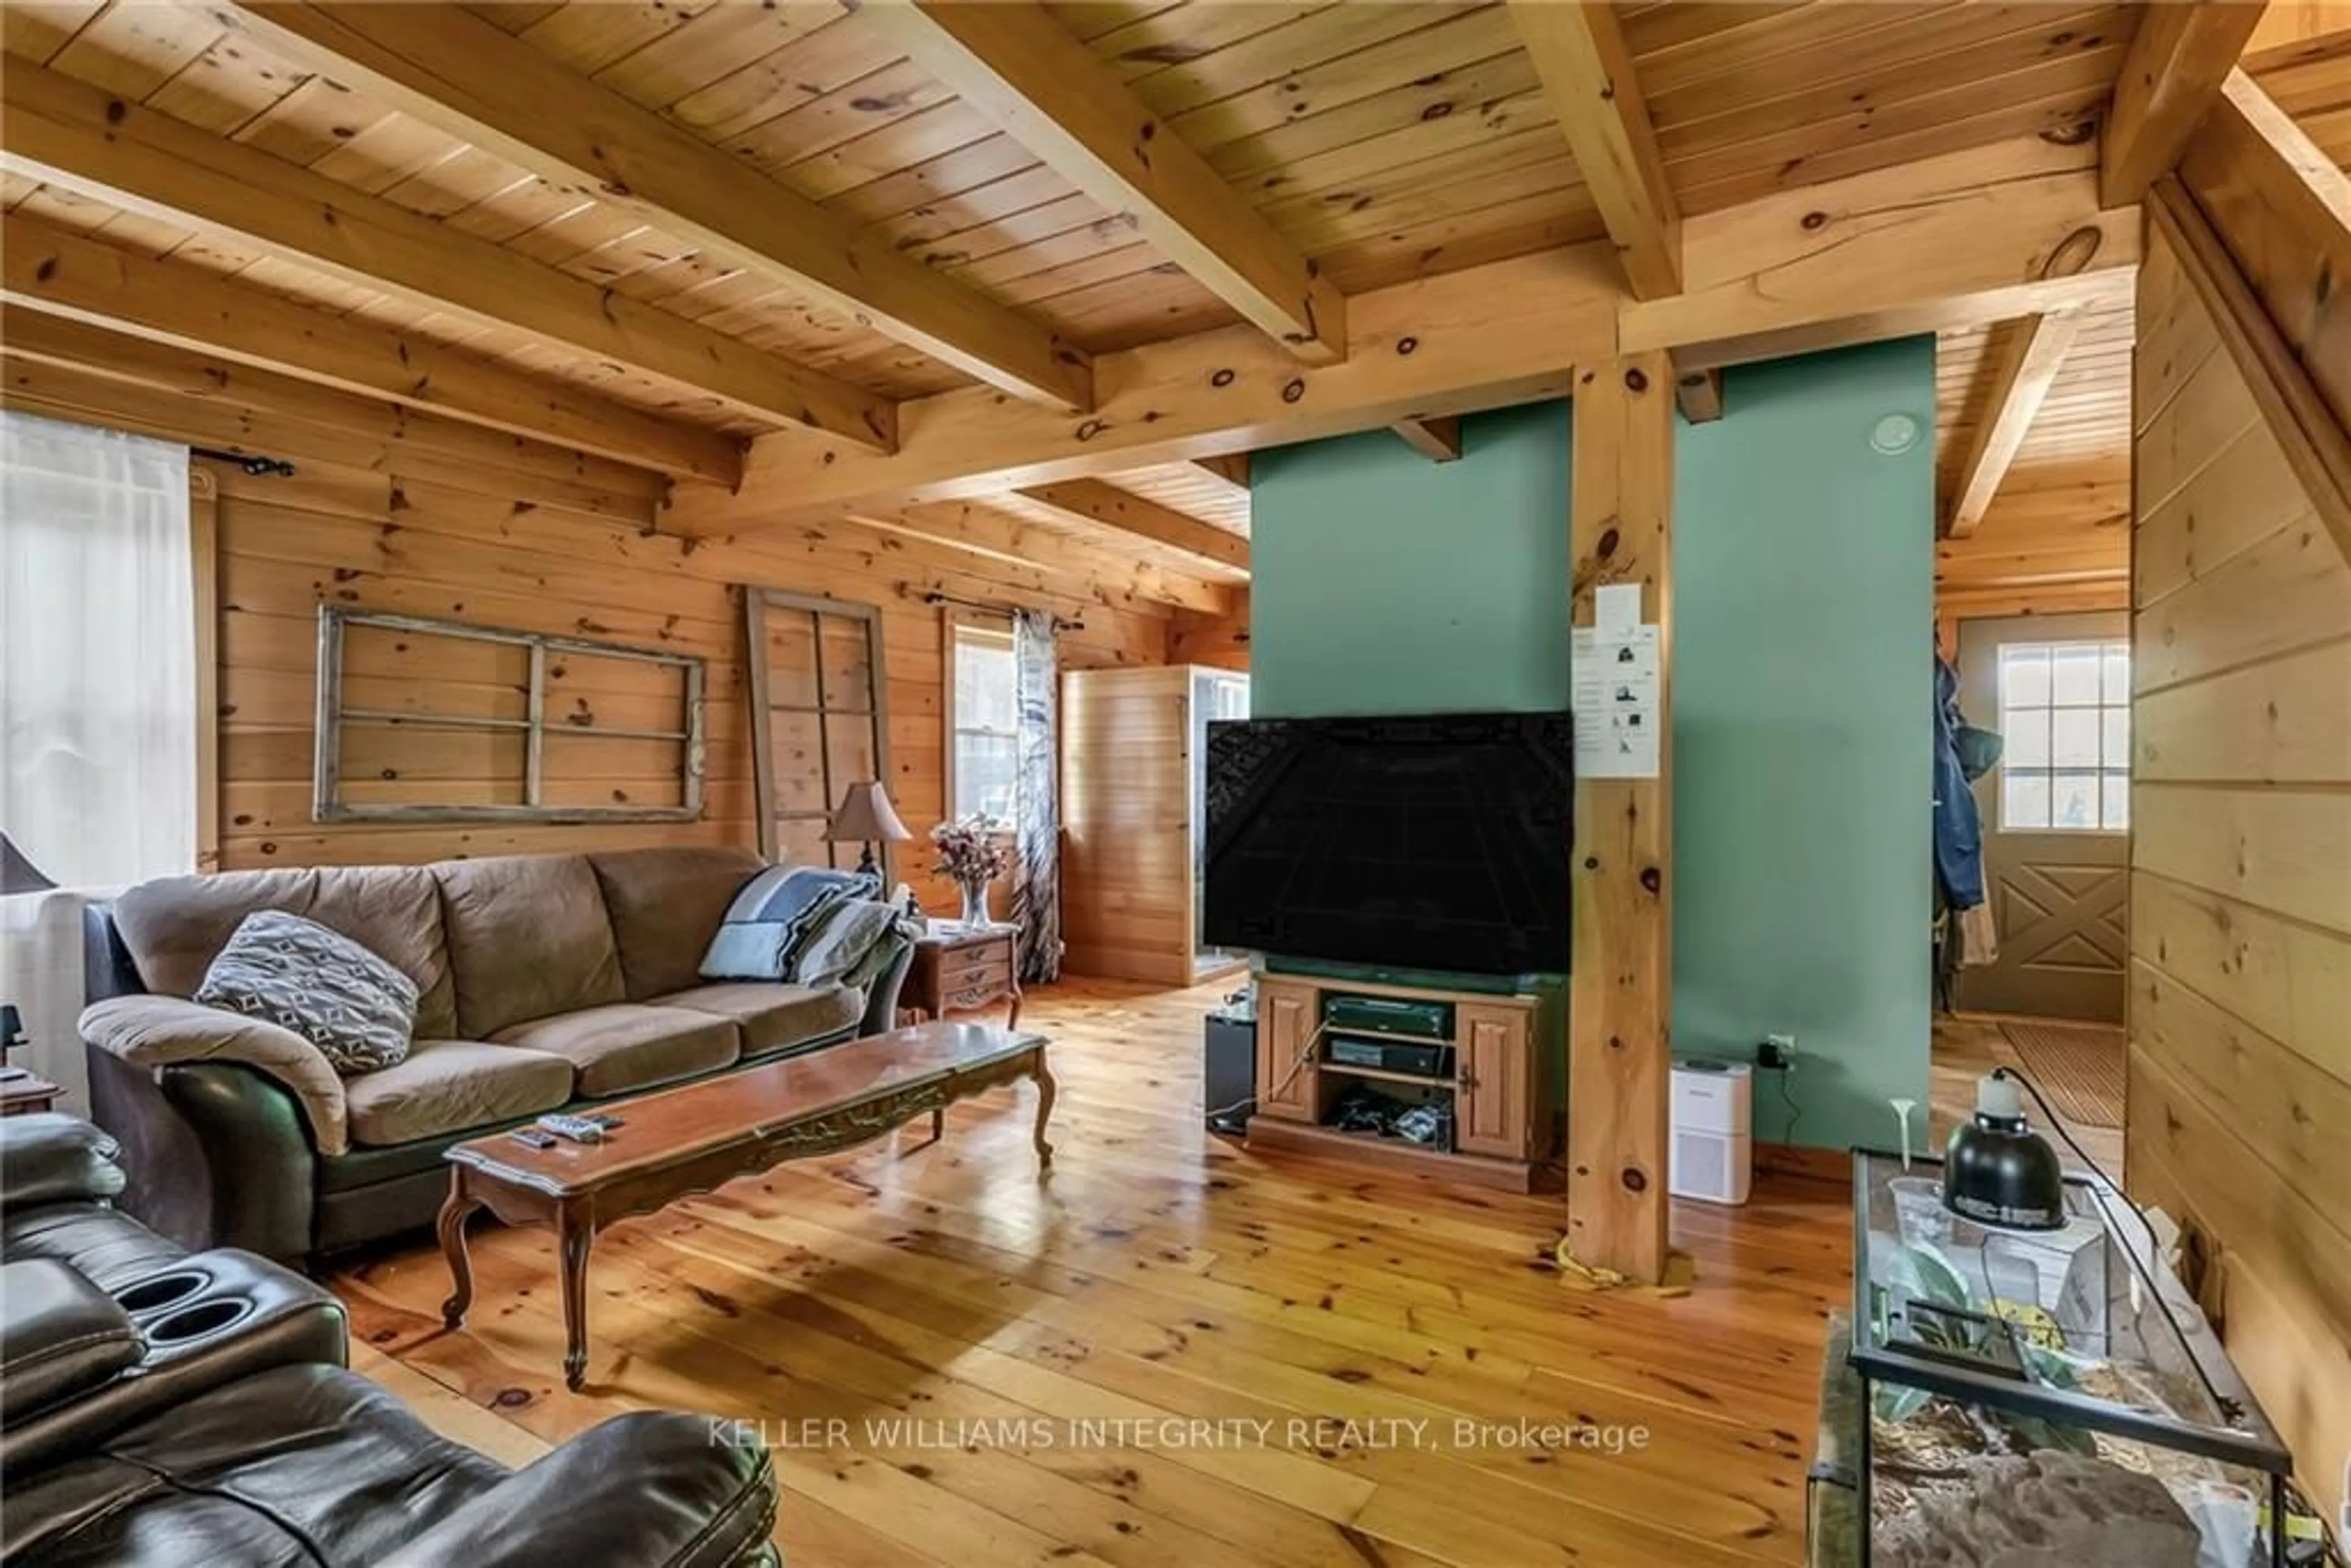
(160, 1406)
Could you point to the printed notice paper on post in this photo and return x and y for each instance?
(1616, 697)
(1616, 608)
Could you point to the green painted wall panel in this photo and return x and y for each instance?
(1384, 583)
(1803, 719)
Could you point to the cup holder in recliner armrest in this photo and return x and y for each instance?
(152, 1295)
(198, 1323)
(213, 1315)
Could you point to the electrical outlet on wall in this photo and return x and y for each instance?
(1778, 1053)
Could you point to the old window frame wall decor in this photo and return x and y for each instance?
(831, 773)
(333, 717)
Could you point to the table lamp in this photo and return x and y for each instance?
(865, 817)
(17, 874)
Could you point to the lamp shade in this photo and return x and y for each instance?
(865, 816)
(18, 874)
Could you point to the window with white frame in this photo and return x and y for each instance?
(983, 750)
(2064, 724)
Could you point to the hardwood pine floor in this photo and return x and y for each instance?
(1161, 1275)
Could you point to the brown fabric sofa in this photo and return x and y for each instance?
(544, 982)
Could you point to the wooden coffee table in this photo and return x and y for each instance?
(690, 1139)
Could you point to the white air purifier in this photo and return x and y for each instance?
(1713, 1157)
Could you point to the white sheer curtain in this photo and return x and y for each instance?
(98, 721)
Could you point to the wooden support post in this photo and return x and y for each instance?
(1621, 992)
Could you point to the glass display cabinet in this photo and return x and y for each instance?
(1977, 1347)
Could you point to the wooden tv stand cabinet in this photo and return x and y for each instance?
(1504, 1106)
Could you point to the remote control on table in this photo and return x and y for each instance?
(579, 1129)
(534, 1139)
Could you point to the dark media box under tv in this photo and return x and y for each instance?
(1390, 1055)
(1434, 842)
(1388, 1015)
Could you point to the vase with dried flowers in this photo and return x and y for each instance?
(971, 854)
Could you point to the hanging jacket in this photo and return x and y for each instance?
(1958, 835)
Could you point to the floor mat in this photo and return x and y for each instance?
(2078, 1066)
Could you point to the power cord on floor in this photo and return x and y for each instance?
(1305, 1053)
(2229, 1408)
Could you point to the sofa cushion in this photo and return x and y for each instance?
(773, 1017)
(448, 1085)
(666, 905)
(358, 1010)
(624, 1047)
(528, 937)
(175, 926)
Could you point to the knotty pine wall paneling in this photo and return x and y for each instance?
(2239, 1001)
(384, 542)
(359, 526)
(1219, 642)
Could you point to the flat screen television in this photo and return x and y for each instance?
(1430, 842)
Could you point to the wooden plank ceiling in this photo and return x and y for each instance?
(2302, 58)
(1379, 142)
(2056, 536)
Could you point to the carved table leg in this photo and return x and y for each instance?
(1012, 1014)
(575, 1229)
(459, 1208)
(1045, 1089)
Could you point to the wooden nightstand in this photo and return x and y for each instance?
(26, 1092)
(958, 967)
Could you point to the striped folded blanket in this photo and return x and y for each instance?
(776, 916)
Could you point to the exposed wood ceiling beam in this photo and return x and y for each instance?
(1092, 501)
(2020, 375)
(1439, 439)
(53, 270)
(70, 133)
(1016, 65)
(2172, 75)
(2287, 24)
(1956, 241)
(78, 370)
(1802, 271)
(2293, 404)
(453, 70)
(1587, 77)
(1229, 469)
(1700, 394)
(2285, 209)
(1105, 561)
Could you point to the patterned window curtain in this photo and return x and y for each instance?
(1037, 893)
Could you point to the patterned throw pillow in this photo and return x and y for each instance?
(772, 919)
(358, 1011)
